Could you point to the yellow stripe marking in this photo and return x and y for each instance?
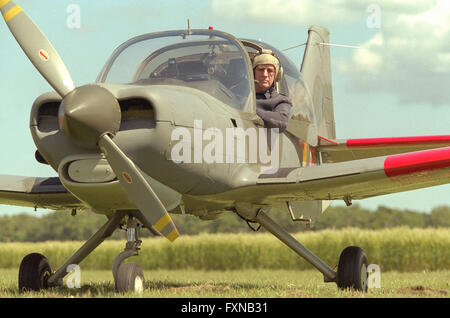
(12, 13)
(162, 222)
(173, 235)
(3, 3)
(304, 154)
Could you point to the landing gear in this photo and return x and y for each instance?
(352, 269)
(34, 272)
(129, 277)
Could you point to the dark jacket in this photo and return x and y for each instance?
(273, 108)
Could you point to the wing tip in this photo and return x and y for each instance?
(419, 161)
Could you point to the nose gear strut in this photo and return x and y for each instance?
(131, 247)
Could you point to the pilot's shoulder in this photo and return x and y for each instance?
(282, 98)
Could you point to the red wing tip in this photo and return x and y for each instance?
(419, 161)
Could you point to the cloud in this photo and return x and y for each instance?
(407, 54)
(308, 12)
(292, 12)
(409, 57)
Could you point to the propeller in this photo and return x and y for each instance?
(90, 115)
(37, 47)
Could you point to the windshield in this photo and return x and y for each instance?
(207, 60)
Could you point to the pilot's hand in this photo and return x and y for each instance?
(258, 121)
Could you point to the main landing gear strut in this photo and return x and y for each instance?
(35, 272)
(352, 267)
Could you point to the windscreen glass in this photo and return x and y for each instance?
(213, 64)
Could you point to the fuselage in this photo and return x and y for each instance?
(192, 141)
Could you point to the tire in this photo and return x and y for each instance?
(34, 272)
(130, 278)
(352, 269)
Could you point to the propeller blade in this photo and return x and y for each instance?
(37, 47)
(138, 188)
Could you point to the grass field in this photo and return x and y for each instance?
(413, 263)
(240, 284)
(396, 249)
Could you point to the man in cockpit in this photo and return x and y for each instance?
(272, 107)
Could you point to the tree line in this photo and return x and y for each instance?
(62, 226)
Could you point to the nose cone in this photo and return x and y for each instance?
(88, 112)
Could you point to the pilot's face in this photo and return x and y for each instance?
(264, 77)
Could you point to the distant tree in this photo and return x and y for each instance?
(440, 217)
(62, 226)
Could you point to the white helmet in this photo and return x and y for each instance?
(267, 57)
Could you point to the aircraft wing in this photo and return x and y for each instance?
(357, 179)
(353, 149)
(33, 192)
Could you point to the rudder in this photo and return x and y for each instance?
(316, 71)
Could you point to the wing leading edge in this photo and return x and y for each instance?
(46, 193)
(357, 179)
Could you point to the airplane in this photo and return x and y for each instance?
(170, 126)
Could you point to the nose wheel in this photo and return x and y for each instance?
(128, 277)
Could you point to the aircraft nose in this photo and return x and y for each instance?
(88, 112)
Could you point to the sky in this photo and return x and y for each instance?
(395, 84)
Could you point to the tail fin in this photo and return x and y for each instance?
(316, 71)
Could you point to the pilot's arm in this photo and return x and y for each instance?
(275, 112)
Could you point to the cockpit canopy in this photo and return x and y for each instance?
(211, 61)
(208, 60)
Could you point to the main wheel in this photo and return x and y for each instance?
(352, 269)
(34, 272)
(130, 278)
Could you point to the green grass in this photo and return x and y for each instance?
(240, 284)
(414, 263)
